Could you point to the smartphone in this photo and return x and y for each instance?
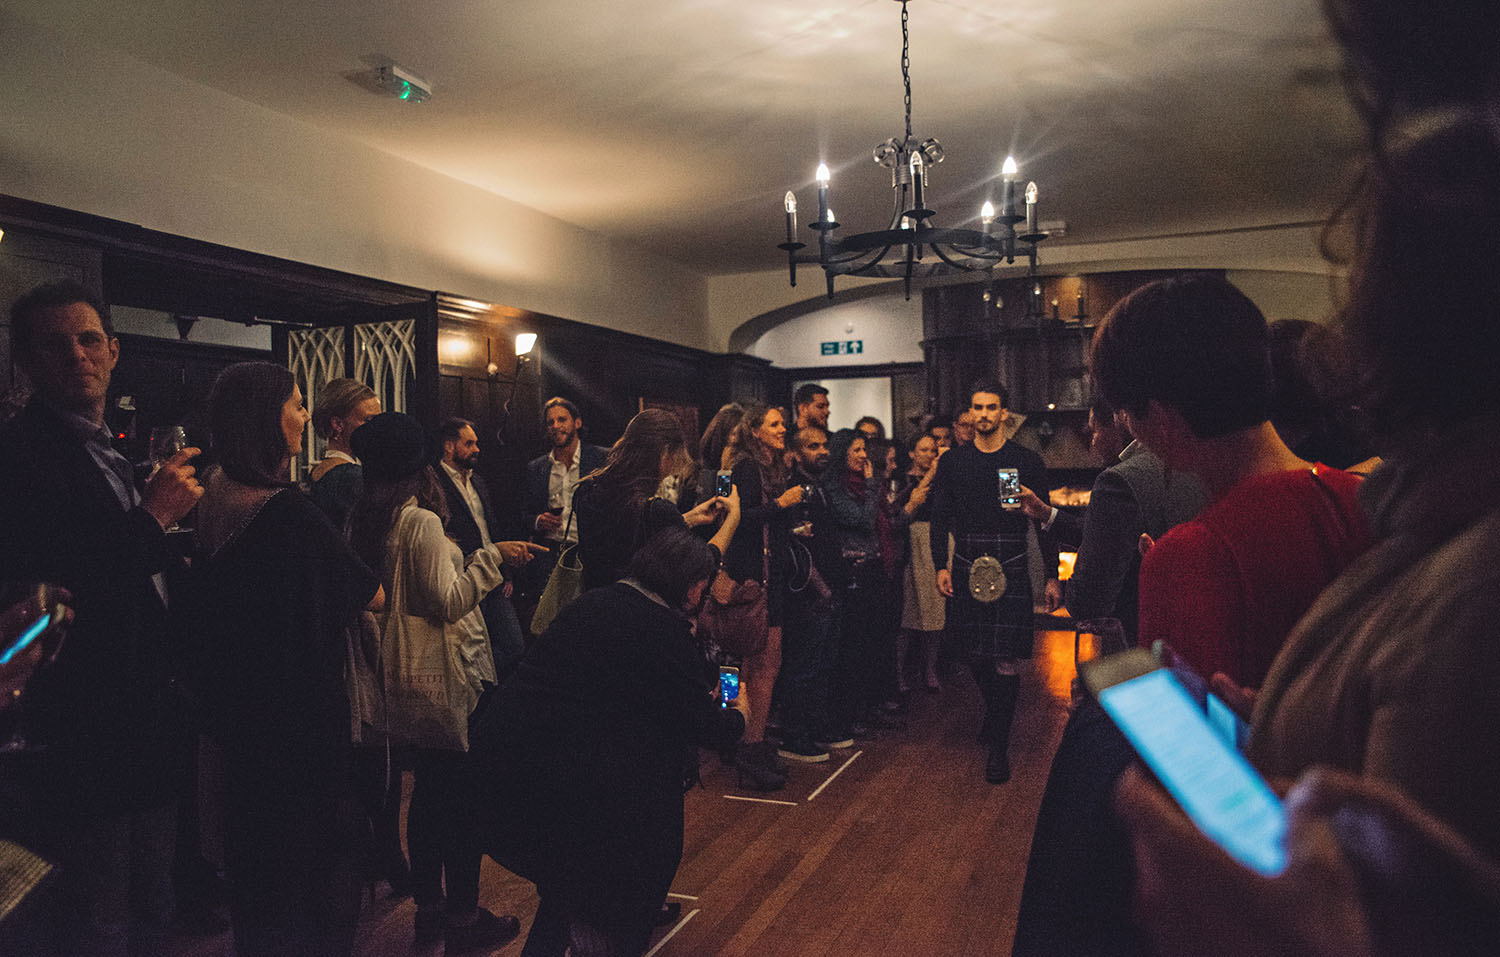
(1226, 724)
(28, 635)
(724, 484)
(1010, 488)
(1212, 782)
(729, 684)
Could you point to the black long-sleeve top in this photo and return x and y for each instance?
(966, 498)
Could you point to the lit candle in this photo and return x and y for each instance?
(917, 175)
(1031, 207)
(1056, 314)
(1009, 171)
(823, 177)
(791, 217)
(987, 215)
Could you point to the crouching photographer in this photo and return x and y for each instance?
(579, 754)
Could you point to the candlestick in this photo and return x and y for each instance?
(791, 217)
(823, 177)
(917, 171)
(1009, 171)
(1031, 207)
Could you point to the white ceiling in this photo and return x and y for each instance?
(680, 123)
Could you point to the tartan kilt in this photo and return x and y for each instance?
(1002, 628)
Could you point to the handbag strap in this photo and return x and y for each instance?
(765, 553)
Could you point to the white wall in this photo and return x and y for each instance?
(889, 328)
(90, 129)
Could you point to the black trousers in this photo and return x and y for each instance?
(442, 832)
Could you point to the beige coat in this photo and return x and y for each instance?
(1395, 671)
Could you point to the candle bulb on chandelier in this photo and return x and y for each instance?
(823, 178)
(1009, 171)
(791, 217)
(1031, 208)
(987, 215)
(918, 174)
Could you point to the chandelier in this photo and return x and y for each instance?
(911, 233)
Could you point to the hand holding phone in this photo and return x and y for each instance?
(1212, 782)
(729, 685)
(1010, 489)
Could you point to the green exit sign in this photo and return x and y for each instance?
(849, 347)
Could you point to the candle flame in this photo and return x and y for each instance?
(822, 174)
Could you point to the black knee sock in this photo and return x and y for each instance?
(1003, 707)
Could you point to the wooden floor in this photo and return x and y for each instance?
(896, 846)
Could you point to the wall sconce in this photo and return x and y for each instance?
(525, 342)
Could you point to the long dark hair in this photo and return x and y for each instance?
(244, 417)
(373, 516)
(745, 444)
(716, 436)
(633, 471)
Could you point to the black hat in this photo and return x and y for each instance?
(391, 446)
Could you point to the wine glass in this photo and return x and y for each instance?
(166, 441)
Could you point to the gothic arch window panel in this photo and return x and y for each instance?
(385, 359)
(316, 356)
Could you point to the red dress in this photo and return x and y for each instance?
(1225, 589)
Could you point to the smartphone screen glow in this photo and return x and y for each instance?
(30, 635)
(1213, 783)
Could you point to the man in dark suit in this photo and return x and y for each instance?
(96, 791)
(472, 518)
(550, 480)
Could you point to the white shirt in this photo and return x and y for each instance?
(471, 497)
(560, 483)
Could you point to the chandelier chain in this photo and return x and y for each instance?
(906, 69)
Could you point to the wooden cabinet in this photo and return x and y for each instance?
(1032, 334)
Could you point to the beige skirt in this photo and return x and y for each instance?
(924, 607)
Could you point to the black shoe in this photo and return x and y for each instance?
(757, 764)
(800, 747)
(486, 933)
(997, 768)
(668, 914)
(835, 740)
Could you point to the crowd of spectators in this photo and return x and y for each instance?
(301, 646)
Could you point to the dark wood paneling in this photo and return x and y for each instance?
(982, 330)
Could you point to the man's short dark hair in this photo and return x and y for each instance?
(452, 426)
(798, 439)
(557, 401)
(1194, 343)
(991, 386)
(51, 295)
(805, 394)
(671, 562)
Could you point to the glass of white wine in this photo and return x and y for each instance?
(166, 441)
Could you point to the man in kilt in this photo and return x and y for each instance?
(989, 607)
